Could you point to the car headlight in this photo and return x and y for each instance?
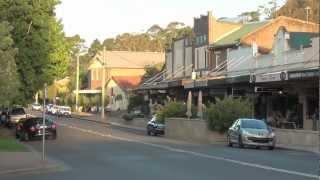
(271, 135)
(246, 133)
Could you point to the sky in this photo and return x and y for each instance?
(101, 19)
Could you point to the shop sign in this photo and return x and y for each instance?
(267, 89)
(303, 74)
(271, 77)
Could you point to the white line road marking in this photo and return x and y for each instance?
(195, 153)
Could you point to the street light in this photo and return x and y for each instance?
(44, 122)
(77, 80)
(103, 62)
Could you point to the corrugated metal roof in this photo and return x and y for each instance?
(234, 38)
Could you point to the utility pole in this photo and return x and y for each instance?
(104, 66)
(77, 83)
(44, 122)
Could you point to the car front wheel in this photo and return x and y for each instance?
(240, 142)
(271, 147)
(229, 141)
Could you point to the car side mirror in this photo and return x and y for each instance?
(238, 127)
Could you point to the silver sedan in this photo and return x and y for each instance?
(251, 132)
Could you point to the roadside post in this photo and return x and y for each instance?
(43, 122)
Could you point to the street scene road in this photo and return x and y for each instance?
(93, 151)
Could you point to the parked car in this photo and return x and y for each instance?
(154, 127)
(29, 128)
(48, 108)
(15, 115)
(54, 110)
(64, 110)
(36, 107)
(4, 115)
(251, 132)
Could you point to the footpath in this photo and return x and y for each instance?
(111, 120)
(21, 158)
(116, 121)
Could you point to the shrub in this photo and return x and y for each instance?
(128, 117)
(174, 109)
(224, 112)
(135, 101)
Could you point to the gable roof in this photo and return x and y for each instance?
(129, 59)
(234, 37)
(127, 82)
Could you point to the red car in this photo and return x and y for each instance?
(32, 127)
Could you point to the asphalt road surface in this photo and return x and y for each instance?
(91, 151)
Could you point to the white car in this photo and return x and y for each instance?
(15, 115)
(36, 107)
(54, 110)
(64, 110)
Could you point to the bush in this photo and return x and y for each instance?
(175, 109)
(135, 101)
(128, 117)
(224, 112)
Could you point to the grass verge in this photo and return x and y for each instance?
(11, 145)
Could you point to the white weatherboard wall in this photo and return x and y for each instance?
(178, 56)
(119, 104)
(188, 61)
(200, 57)
(169, 64)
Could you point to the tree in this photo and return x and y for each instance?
(297, 9)
(95, 47)
(154, 39)
(268, 9)
(250, 16)
(151, 71)
(8, 72)
(42, 52)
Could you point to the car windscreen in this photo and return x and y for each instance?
(34, 121)
(18, 111)
(253, 124)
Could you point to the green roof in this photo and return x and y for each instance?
(298, 39)
(234, 37)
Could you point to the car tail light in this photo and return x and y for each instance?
(32, 129)
(53, 126)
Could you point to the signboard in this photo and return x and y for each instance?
(303, 74)
(267, 89)
(271, 77)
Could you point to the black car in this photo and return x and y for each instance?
(154, 127)
(30, 128)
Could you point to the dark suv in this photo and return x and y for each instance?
(32, 127)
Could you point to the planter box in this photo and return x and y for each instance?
(194, 130)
